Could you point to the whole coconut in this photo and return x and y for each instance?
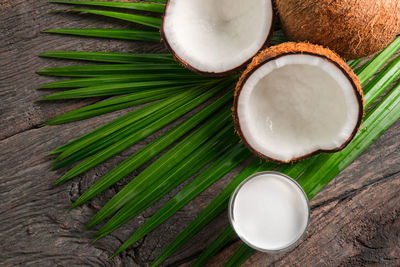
(353, 28)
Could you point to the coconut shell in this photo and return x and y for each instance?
(182, 62)
(291, 48)
(352, 28)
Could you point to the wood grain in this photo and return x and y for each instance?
(355, 220)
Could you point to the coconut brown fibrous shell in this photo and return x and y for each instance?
(352, 28)
(291, 48)
(164, 39)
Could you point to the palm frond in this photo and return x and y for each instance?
(143, 78)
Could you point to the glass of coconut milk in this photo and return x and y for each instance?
(269, 211)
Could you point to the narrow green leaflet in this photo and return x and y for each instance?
(152, 149)
(382, 81)
(222, 166)
(241, 255)
(139, 19)
(354, 63)
(135, 134)
(151, 7)
(278, 38)
(161, 166)
(124, 34)
(110, 57)
(213, 148)
(157, 1)
(101, 70)
(219, 243)
(111, 79)
(370, 68)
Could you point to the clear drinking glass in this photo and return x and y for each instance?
(232, 205)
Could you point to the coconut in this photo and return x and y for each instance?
(295, 100)
(352, 28)
(216, 37)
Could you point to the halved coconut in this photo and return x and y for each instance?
(295, 100)
(216, 36)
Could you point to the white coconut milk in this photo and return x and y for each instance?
(269, 211)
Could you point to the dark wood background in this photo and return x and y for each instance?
(355, 220)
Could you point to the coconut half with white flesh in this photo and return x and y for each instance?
(216, 37)
(295, 100)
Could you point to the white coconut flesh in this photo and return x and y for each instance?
(216, 36)
(295, 105)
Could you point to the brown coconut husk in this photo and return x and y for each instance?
(291, 48)
(352, 28)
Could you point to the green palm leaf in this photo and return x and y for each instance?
(219, 243)
(241, 255)
(151, 7)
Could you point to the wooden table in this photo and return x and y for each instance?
(355, 220)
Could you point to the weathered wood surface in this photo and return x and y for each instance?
(355, 220)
